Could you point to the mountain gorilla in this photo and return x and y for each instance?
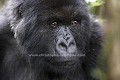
(48, 40)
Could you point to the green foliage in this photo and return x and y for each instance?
(95, 6)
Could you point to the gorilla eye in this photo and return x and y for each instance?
(74, 23)
(54, 24)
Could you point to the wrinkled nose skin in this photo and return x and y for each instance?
(66, 45)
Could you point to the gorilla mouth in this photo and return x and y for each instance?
(63, 61)
(65, 64)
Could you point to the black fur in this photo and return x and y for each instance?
(25, 29)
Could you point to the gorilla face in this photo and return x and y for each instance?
(59, 28)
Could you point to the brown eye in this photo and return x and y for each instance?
(54, 24)
(74, 23)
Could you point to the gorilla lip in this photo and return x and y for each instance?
(65, 64)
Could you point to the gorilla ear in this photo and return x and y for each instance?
(17, 16)
(17, 28)
(17, 11)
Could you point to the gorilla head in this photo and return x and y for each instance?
(53, 27)
(53, 39)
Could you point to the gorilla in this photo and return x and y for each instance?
(48, 40)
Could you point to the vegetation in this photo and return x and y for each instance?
(109, 62)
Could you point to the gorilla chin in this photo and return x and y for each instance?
(64, 63)
(63, 60)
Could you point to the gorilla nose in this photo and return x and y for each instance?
(66, 45)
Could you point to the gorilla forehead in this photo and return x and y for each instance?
(46, 4)
(53, 7)
(43, 4)
(59, 3)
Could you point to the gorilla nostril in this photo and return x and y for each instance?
(72, 44)
(67, 38)
(63, 46)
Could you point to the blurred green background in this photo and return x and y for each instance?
(108, 14)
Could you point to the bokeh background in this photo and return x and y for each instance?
(107, 13)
